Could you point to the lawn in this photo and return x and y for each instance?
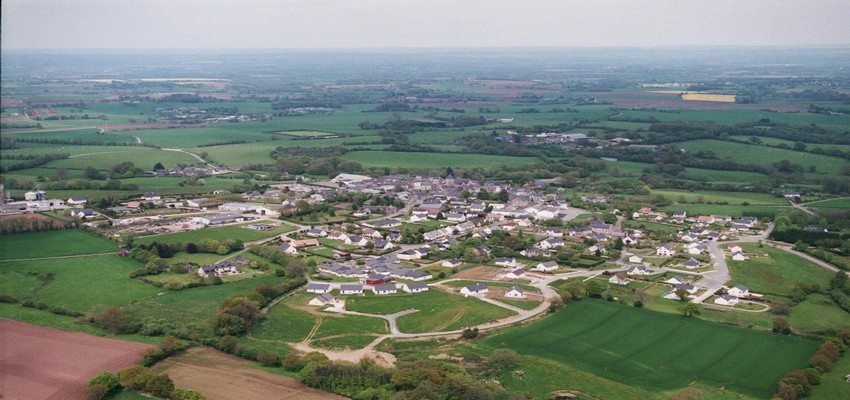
(413, 160)
(237, 232)
(52, 244)
(285, 323)
(777, 274)
(658, 352)
(819, 313)
(75, 283)
(652, 226)
(438, 310)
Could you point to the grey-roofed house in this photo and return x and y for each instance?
(415, 287)
(387, 288)
(474, 289)
(318, 287)
(351, 288)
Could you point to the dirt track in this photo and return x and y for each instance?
(221, 376)
(45, 363)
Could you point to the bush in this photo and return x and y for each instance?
(96, 392)
(6, 298)
(293, 363)
(267, 359)
(106, 379)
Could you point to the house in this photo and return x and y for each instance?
(318, 287)
(76, 201)
(551, 243)
(507, 262)
(665, 251)
(83, 213)
(408, 255)
(298, 244)
(386, 288)
(351, 288)
(515, 292)
(637, 270)
(316, 233)
(739, 227)
(456, 217)
(477, 288)
(387, 223)
(287, 249)
(415, 287)
(546, 266)
(554, 232)
(151, 197)
(323, 300)
(619, 279)
(358, 241)
(695, 249)
(692, 263)
(369, 232)
(515, 274)
(241, 260)
(630, 240)
(536, 252)
(739, 291)
(686, 287)
(734, 248)
(636, 259)
(452, 263)
(726, 300)
(670, 295)
(221, 269)
(383, 245)
(676, 280)
(739, 256)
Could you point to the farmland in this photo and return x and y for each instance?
(236, 232)
(778, 273)
(658, 352)
(63, 243)
(747, 153)
(432, 160)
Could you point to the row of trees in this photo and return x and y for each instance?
(800, 383)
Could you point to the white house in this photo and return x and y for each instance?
(352, 288)
(546, 266)
(387, 288)
(76, 201)
(474, 289)
(515, 292)
(318, 288)
(515, 274)
(619, 279)
(551, 243)
(452, 263)
(726, 300)
(507, 262)
(739, 291)
(739, 256)
(415, 287)
(630, 240)
(322, 300)
(671, 295)
(734, 248)
(665, 251)
(637, 270)
(634, 258)
(287, 249)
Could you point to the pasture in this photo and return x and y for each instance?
(819, 312)
(719, 197)
(438, 310)
(418, 160)
(658, 352)
(777, 274)
(52, 244)
(236, 232)
(762, 155)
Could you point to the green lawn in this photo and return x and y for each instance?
(52, 244)
(438, 310)
(777, 274)
(658, 352)
(819, 313)
(237, 232)
(285, 323)
(395, 159)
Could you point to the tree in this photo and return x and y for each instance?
(160, 385)
(504, 359)
(112, 319)
(158, 167)
(134, 377)
(187, 394)
(96, 392)
(690, 309)
(821, 362)
(106, 379)
(296, 268)
(780, 325)
(595, 289)
(682, 293)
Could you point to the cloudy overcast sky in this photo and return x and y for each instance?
(72, 24)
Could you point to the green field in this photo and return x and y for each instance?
(761, 155)
(236, 232)
(414, 160)
(438, 310)
(732, 210)
(833, 384)
(285, 324)
(75, 283)
(52, 244)
(836, 204)
(716, 197)
(777, 274)
(819, 313)
(658, 352)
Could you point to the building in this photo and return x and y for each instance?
(318, 288)
(546, 266)
(739, 291)
(323, 300)
(619, 279)
(478, 288)
(515, 292)
(351, 288)
(386, 288)
(415, 287)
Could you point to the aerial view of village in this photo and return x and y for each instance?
(299, 206)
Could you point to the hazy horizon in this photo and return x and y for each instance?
(418, 24)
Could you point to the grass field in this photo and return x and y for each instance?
(833, 385)
(761, 155)
(438, 310)
(75, 283)
(777, 274)
(285, 324)
(658, 352)
(652, 226)
(837, 204)
(413, 160)
(237, 232)
(732, 210)
(715, 197)
(819, 313)
(52, 244)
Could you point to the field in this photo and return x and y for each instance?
(833, 384)
(761, 155)
(721, 98)
(52, 244)
(716, 197)
(438, 310)
(73, 358)
(658, 352)
(204, 370)
(414, 160)
(732, 210)
(777, 274)
(236, 232)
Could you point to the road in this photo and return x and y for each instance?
(715, 280)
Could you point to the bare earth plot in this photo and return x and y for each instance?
(44, 363)
(224, 377)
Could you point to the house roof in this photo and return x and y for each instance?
(318, 286)
(516, 288)
(476, 287)
(326, 297)
(386, 287)
(351, 287)
(416, 286)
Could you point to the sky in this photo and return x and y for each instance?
(307, 24)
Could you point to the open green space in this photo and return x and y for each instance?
(438, 310)
(285, 323)
(762, 155)
(837, 204)
(732, 210)
(236, 232)
(652, 226)
(658, 352)
(717, 197)
(350, 342)
(413, 160)
(819, 313)
(75, 283)
(833, 384)
(52, 244)
(778, 273)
